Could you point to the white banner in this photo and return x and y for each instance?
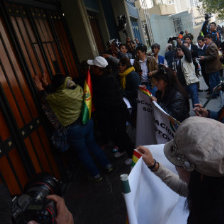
(151, 201)
(154, 125)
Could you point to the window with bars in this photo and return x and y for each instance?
(178, 24)
(132, 2)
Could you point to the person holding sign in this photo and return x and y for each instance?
(170, 95)
(197, 152)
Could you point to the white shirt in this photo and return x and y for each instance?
(144, 68)
(201, 47)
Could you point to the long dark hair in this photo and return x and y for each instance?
(205, 199)
(171, 80)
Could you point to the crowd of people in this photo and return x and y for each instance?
(172, 79)
(116, 75)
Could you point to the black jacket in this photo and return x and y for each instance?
(170, 57)
(194, 51)
(131, 89)
(174, 103)
(106, 92)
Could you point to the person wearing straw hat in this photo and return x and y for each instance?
(198, 154)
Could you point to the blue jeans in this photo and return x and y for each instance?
(193, 91)
(81, 138)
(214, 80)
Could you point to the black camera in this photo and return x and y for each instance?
(207, 16)
(172, 39)
(33, 204)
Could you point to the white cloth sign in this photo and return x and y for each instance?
(151, 201)
(154, 125)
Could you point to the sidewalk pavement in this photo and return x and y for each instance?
(214, 104)
(98, 203)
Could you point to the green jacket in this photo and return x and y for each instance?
(66, 102)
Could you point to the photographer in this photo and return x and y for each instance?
(212, 30)
(64, 216)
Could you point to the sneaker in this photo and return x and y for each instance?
(98, 178)
(128, 161)
(118, 154)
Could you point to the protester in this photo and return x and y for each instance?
(113, 48)
(63, 106)
(170, 95)
(212, 63)
(111, 111)
(159, 58)
(137, 42)
(147, 65)
(131, 46)
(170, 56)
(192, 47)
(186, 72)
(201, 52)
(124, 52)
(203, 112)
(181, 35)
(130, 81)
(197, 152)
(211, 29)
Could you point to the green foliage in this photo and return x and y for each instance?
(214, 6)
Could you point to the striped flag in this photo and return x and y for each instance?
(135, 157)
(87, 99)
(145, 91)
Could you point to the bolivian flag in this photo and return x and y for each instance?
(87, 99)
(146, 91)
(135, 157)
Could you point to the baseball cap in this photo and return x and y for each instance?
(198, 145)
(98, 61)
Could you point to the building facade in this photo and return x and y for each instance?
(94, 22)
(166, 18)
